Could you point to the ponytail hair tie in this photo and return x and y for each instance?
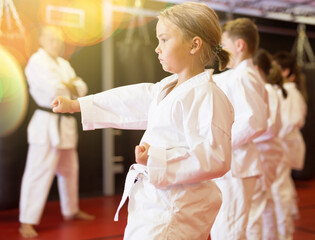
(218, 49)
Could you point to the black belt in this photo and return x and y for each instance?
(50, 111)
(59, 114)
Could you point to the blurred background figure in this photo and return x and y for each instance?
(262, 214)
(293, 113)
(246, 91)
(294, 107)
(52, 137)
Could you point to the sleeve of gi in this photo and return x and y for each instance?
(293, 111)
(80, 85)
(274, 120)
(251, 109)
(123, 107)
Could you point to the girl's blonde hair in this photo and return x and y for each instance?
(197, 19)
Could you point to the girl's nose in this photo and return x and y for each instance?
(157, 50)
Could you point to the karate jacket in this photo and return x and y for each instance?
(293, 113)
(188, 130)
(189, 133)
(44, 76)
(269, 143)
(246, 91)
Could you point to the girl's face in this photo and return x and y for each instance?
(173, 50)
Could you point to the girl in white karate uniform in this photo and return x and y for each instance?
(188, 122)
(246, 91)
(293, 112)
(262, 221)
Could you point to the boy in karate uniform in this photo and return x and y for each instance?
(246, 91)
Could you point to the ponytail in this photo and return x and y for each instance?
(263, 59)
(275, 77)
(284, 92)
(223, 57)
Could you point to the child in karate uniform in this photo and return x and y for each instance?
(188, 122)
(262, 215)
(293, 112)
(246, 91)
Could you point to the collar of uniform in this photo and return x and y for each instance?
(247, 63)
(170, 80)
(206, 75)
(43, 52)
(289, 85)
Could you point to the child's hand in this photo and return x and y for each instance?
(65, 105)
(141, 152)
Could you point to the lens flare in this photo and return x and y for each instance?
(80, 20)
(86, 23)
(91, 32)
(13, 93)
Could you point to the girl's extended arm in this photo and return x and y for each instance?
(65, 105)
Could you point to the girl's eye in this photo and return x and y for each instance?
(163, 40)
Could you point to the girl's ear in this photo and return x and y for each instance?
(196, 44)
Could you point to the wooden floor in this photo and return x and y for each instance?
(52, 226)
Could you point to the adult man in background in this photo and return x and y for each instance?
(52, 137)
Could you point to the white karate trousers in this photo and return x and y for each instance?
(231, 221)
(269, 219)
(294, 201)
(180, 212)
(259, 201)
(43, 163)
(282, 196)
(262, 213)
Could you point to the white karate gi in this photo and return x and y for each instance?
(246, 91)
(52, 140)
(189, 134)
(293, 111)
(270, 148)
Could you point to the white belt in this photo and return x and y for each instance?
(136, 171)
